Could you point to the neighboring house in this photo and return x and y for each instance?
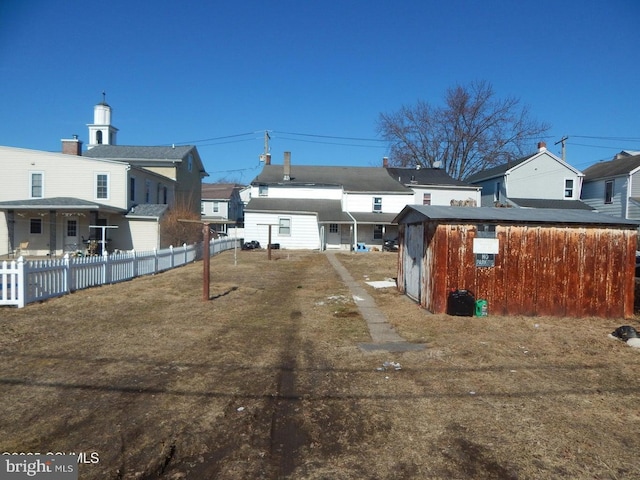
(222, 205)
(52, 203)
(541, 180)
(613, 187)
(323, 207)
(434, 186)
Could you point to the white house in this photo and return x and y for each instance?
(320, 207)
(613, 187)
(52, 203)
(434, 186)
(540, 180)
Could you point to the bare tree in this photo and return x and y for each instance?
(474, 130)
(174, 232)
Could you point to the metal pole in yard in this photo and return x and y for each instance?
(206, 261)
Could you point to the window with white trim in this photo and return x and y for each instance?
(147, 191)
(426, 199)
(263, 190)
(496, 192)
(377, 204)
(608, 191)
(284, 226)
(377, 232)
(102, 185)
(333, 228)
(568, 188)
(36, 185)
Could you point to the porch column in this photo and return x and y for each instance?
(52, 233)
(11, 230)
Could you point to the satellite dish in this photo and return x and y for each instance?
(263, 158)
(437, 164)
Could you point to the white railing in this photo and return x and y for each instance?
(23, 282)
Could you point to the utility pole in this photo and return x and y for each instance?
(563, 140)
(266, 141)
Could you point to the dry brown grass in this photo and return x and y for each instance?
(265, 380)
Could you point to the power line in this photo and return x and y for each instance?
(331, 136)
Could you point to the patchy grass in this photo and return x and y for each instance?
(265, 380)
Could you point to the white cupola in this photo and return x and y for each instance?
(101, 132)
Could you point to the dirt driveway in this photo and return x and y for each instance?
(265, 380)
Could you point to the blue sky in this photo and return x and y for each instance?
(315, 74)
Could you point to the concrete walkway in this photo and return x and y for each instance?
(383, 335)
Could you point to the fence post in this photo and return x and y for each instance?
(21, 283)
(105, 265)
(184, 252)
(67, 273)
(173, 261)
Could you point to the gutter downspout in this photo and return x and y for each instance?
(355, 231)
(628, 197)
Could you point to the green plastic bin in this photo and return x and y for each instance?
(482, 308)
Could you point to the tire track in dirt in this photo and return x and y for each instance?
(287, 433)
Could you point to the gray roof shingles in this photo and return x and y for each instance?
(424, 176)
(123, 152)
(516, 215)
(612, 168)
(352, 179)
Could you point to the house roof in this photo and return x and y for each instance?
(218, 191)
(510, 215)
(425, 176)
(123, 152)
(352, 179)
(149, 210)
(328, 211)
(498, 170)
(545, 203)
(612, 168)
(55, 203)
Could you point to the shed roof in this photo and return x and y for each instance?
(415, 213)
(352, 179)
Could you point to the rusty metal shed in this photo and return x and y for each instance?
(573, 263)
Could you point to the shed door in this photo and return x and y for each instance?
(414, 238)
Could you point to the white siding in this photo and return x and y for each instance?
(64, 176)
(310, 192)
(359, 202)
(304, 230)
(144, 234)
(593, 195)
(541, 177)
(444, 196)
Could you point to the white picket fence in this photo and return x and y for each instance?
(23, 282)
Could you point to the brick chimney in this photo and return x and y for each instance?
(287, 166)
(385, 162)
(72, 146)
(542, 146)
(267, 159)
